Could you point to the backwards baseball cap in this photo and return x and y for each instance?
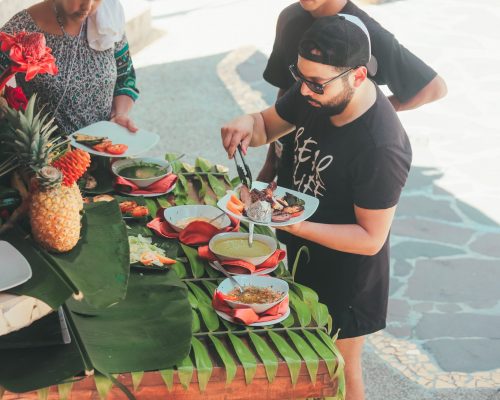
(341, 40)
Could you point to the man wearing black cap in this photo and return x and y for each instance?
(352, 153)
(412, 82)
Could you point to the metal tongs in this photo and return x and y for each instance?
(246, 179)
(243, 171)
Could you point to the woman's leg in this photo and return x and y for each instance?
(352, 349)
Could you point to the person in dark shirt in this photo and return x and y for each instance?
(352, 153)
(412, 82)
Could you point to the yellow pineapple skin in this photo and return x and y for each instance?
(55, 217)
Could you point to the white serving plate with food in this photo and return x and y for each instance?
(265, 243)
(138, 142)
(277, 285)
(14, 269)
(311, 204)
(175, 215)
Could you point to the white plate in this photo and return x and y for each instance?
(14, 269)
(137, 143)
(261, 272)
(310, 206)
(150, 194)
(266, 323)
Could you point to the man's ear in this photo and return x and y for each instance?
(359, 74)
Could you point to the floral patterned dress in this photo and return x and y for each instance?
(82, 92)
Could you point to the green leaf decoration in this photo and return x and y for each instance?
(330, 342)
(203, 164)
(103, 385)
(193, 301)
(323, 351)
(235, 182)
(197, 264)
(329, 325)
(64, 390)
(163, 202)
(203, 362)
(305, 250)
(210, 286)
(247, 359)
(104, 335)
(305, 293)
(289, 321)
(227, 359)
(266, 354)
(179, 269)
(137, 378)
(168, 377)
(301, 308)
(210, 318)
(185, 372)
(217, 186)
(43, 394)
(152, 206)
(195, 326)
(200, 294)
(188, 168)
(292, 359)
(176, 165)
(308, 355)
(319, 313)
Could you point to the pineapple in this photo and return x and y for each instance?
(55, 201)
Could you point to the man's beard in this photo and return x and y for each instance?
(336, 105)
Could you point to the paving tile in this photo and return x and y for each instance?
(487, 244)
(459, 280)
(400, 332)
(394, 285)
(402, 268)
(475, 215)
(431, 230)
(465, 355)
(458, 325)
(448, 308)
(425, 206)
(411, 249)
(398, 310)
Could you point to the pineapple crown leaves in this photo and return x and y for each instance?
(29, 135)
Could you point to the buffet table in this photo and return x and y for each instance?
(161, 325)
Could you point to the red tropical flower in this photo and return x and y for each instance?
(15, 97)
(29, 54)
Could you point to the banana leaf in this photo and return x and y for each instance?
(150, 329)
(99, 264)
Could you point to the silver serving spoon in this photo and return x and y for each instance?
(220, 268)
(250, 233)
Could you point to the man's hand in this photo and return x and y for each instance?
(125, 121)
(239, 130)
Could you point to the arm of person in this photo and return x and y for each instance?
(366, 237)
(254, 130)
(126, 92)
(434, 90)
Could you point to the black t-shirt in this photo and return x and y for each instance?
(364, 163)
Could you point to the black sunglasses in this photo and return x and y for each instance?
(318, 88)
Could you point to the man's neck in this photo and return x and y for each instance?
(362, 100)
(331, 7)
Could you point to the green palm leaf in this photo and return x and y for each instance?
(266, 354)
(103, 385)
(137, 378)
(185, 372)
(227, 359)
(308, 355)
(43, 394)
(301, 308)
(217, 186)
(197, 264)
(168, 377)
(247, 359)
(64, 390)
(195, 326)
(179, 269)
(292, 359)
(305, 250)
(323, 351)
(203, 362)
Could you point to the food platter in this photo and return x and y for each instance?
(14, 269)
(311, 203)
(137, 143)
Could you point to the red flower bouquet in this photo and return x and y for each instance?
(15, 97)
(28, 53)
